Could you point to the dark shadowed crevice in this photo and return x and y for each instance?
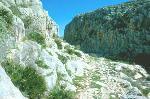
(143, 60)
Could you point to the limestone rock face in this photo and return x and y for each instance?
(27, 16)
(28, 53)
(121, 30)
(18, 28)
(7, 89)
(32, 14)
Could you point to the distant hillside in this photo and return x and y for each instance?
(120, 32)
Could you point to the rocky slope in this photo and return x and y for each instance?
(36, 64)
(119, 31)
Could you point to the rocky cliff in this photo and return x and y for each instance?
(29, 52)
(119, 31)
(36, 64)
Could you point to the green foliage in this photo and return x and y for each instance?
(27, 21)
(55, 36)
(59, 77)
(146, 91)
(72, 51)
(4, 36)
(6, 15)
(94, 85)
(34, 84)
(37, 37)
(59, 92)
(14, 71)
(50, 53)
(58, 42)
(77, 53)
(41, 64)
(3, 28)
(15, 10)
(62, 58)
(96, 76)
(77, 81)
(69, 72)
(26, 79)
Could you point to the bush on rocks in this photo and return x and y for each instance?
(37, 37)
(26, 79)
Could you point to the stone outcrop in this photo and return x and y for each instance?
(28, 16)
(119, 31)
(22, 22)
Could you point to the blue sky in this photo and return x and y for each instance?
(62, 11)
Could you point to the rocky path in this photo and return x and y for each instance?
(87, 91)
(105, 79)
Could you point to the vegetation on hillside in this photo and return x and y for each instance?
(29, 82)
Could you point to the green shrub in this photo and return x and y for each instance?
(77, 81)
(62, 58)
(50, 53)
(37, 37)
(6, 15)
(3, 28)
(59, 77)
(146, 91)
(34, 84)
(59, 92)
(5, 33)
(14, 71)
(26, 79)
(41, 64)
(77, 53)
(15, 10)
(96, 76)
(72, 51)
(54, 36)
(58, 42)
(27, 21)
(94, 85)
(69, 72)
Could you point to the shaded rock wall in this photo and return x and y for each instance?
(122, 30)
